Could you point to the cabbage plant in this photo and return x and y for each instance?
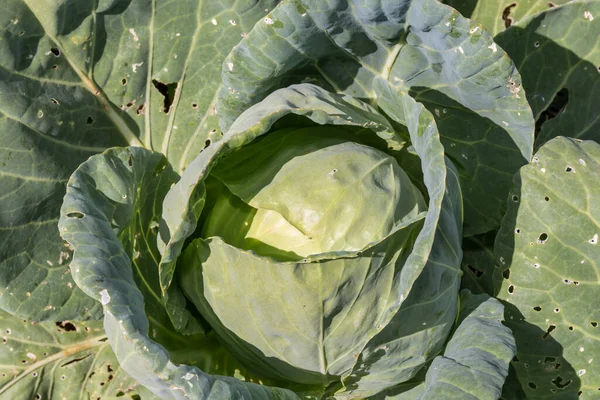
(299, 199)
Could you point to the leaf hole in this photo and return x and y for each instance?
(89, 120)
(506, 273)
(67, 326)
(594, 324)
(569, 169)
(556, 310)
(194, 105)
(571, 328)
(547, 198)
(21, 33)
(54, 101)
(55, 67)
(76, 360)
(207, 143)
(542, 238)
(77, 215)
(549, 360)
(537, 308)
(475, 271)
(556, 106)
(559, 383)
(168, 92)
(517, 231)
(548, 332)
(532, 385)
(506, 15)
(515, 198)
(124, 81)
(511, 289)
(55, 51)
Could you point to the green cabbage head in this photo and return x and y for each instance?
(312, 252)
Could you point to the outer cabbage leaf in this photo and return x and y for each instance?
(449, 63)
(548, 255)
(77, 77)
(109, 217)
(63, 360)
(430, 280)
(475, 361)
(558, 55)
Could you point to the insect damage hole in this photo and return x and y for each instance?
(77, 215)
(168, 91)
(474, 271)
(555, 108)
(548, 332)
(559, 383)
(508, 20)
(542, 238)
(67, 326)
(55, 51)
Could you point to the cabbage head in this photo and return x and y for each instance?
(314, 251)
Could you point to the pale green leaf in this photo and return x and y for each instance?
(548, 253)
(428, 303)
